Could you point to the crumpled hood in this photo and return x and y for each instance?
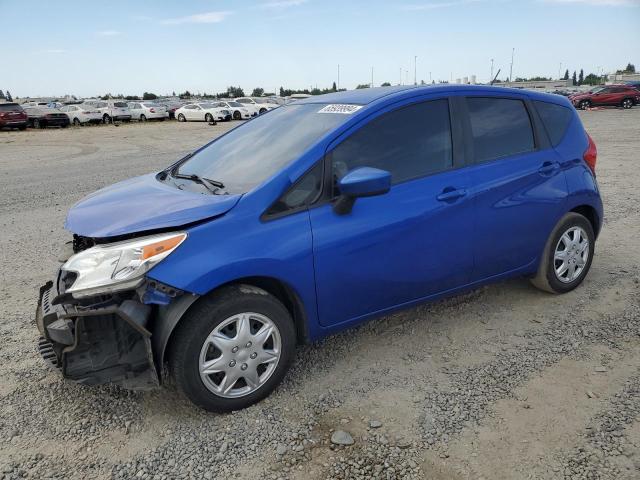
(142, 203)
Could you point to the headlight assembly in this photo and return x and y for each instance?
(118, 266)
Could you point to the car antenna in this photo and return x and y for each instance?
(495, 78)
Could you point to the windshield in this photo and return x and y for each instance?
(251, 153)
(207, 105)
(597, 89)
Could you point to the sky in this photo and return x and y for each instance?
(86, 48)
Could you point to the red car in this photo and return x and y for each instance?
(12, 115)
(624, 96)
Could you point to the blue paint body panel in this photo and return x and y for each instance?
(390, 251)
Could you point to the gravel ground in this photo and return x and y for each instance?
(505, 382)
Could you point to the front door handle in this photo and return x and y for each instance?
(548, 168)
(450, 194)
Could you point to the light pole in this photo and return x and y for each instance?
(511, 68)
(560, 71)
(338, 85)
(400, 76)
(415, 75)
(491, 78)
(371, 77)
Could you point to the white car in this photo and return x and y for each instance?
(238, 110)
(202, 112)
(261, 105)
(111, 110)
(143, 111)
(81, 114)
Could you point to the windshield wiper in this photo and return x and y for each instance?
(208, 184)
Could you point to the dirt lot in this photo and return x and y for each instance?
(506, 382)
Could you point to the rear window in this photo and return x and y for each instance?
(500, 126)
(120, 104)
(555, 118)
(10, 107)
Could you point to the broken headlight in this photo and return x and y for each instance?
(118, 266)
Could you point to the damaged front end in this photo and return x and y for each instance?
(98, 328)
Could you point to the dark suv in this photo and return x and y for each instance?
(12, 115)
(624, 96)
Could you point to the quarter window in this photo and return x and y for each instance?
(410, 142)
(555, 119)
(500, 127)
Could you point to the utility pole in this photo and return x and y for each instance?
(415, 70)
(560, 71)
(511, 69)
(430, 77)
(338, 85)
(406, 76)
(491, 78)
(400, 75)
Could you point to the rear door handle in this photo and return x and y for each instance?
(448, 195)
(548, 167)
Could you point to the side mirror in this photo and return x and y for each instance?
(361, 182)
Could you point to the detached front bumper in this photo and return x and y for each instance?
(92, 344)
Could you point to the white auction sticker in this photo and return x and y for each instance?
(340, 108)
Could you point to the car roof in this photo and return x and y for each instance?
(366, 96)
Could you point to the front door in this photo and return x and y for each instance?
(414, 241)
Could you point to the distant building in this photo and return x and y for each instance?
(621, 77)
(539, 84)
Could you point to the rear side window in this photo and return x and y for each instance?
(410, 142)
(555, 118)
(10, 107)
(500, 127)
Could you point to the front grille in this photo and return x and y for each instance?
(81, 243)
(48, 353)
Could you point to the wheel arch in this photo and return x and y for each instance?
(169, 317)
(591, 214)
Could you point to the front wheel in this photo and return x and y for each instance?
(76, 122)
(208, 118)
(567, 255)
(143, 118)
(627, 103)
(181, 118)
(585, 104)
(232, 348)
(106, 119)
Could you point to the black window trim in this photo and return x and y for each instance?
(540, 139)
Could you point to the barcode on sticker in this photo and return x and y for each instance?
(340, 108)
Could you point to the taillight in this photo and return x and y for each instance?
(591, 154)
(152, 110)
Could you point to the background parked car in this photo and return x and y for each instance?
(46, 117)
(81, 114)
(623, 96)
(203, 112)
(261, 105)
(143, 111)
(12, 115)
(172, 107)
(111, 110)
(238, 110)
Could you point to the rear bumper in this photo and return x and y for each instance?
(98, 344)
(13, 123)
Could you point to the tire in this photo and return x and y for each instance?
(22, 127)
(37, 124)
(189, 348)
(76, 122)
(237, 115)
(262, 110)
(143, 118)
(208, 118)
(65, 125)
(627, 103)
(181, 118)
(547, 278)
(106, 119)
(584, 104)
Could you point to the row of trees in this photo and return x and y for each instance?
(6, 96)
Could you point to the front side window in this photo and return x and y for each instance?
(500, 127)
(410, 142)
(249, 154)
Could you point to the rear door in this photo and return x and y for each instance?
(410, 243)
(519, 188)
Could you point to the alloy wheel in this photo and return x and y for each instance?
(571, 254)
(627, 103)
(240, 355)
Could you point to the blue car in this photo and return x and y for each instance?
(313, 218)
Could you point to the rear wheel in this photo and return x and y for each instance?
(262, 110)
(208, 118)
(237, 115)
(76, 122)
(627, 103)
(22, 127)
(143, 118)
(37, 124)
(567, 255)
(181, 118)
(232, 348)
(584, 104)
(106, 118)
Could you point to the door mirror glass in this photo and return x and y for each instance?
(361, 182)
